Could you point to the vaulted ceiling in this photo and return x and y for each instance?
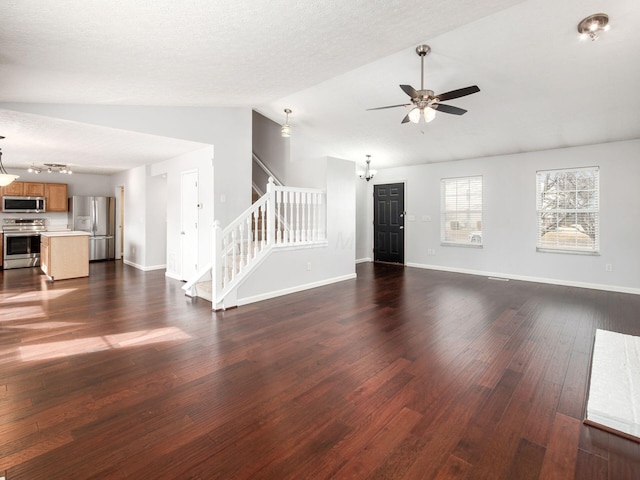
(327, 60)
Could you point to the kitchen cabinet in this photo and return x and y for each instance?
(56, 197)
(64, 254)
(33, 189)
(55, 193)
(1, 249)
(14, 188)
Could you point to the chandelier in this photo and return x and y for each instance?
(5, 178)
(367, 173)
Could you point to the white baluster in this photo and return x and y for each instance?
(270, 213)
(256, 238)
(233, 254)
(248, 246)
(304, 217)
(263, 221)
(278, 200)
(296, 226)
(288, 216)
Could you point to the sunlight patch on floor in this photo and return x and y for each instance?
(66, 348)
(12, 314)
(34, 296)
(42, 325)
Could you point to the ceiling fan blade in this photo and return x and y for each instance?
(406, 119)
(461, 92)
(409, 90)
(389, 106)
(448, 109)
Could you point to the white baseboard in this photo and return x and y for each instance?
(297, 288)
(364, 260)
(143, 268)
(172, 275)
(524, 278)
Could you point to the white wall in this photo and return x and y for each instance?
(285, 272)
(297, 161)
(135, 201)
(509, 217)
(156, 222)
(364, 219)
(200, 161)
(270, 146)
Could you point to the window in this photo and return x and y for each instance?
(568, 210)
(461, 216)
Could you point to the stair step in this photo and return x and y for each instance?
(203, 290)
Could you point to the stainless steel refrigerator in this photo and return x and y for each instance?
(96, 215)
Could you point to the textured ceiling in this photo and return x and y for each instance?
(327, 60)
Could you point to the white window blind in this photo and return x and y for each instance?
(568, 207)
(461, 211)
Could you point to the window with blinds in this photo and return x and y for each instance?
(461, 211)
(568, 205)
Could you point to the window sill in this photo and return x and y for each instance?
(570, 252)
(465, 245)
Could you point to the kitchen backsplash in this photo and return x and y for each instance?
(55, 221)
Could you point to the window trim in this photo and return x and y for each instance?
(572, 250)
(444, 212)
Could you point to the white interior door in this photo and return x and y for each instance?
(189, 224)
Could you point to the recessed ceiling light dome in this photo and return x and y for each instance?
(590, 27)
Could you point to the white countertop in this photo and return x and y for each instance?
(68, 233)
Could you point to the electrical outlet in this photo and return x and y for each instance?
(308, 266)
(608, 267)
(426, 218)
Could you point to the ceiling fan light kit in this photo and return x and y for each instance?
(591, 26)
(424, 102)
(5, 178)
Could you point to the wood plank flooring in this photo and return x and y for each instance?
(400, 374)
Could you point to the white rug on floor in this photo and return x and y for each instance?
(614, 390)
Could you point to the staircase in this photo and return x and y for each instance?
(283, 218)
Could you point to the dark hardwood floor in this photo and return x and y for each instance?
(402, 373)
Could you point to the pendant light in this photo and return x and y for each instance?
(285, 131)
(5, 178)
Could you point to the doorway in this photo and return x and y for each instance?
(388, 223)
(189, 224)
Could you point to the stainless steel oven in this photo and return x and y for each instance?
(22, 242)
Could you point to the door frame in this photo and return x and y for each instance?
(197, 244)
(371, 206)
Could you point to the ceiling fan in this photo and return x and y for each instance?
(426, 103)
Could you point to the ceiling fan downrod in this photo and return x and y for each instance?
(422, 50)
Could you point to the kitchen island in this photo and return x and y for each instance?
(64, 254)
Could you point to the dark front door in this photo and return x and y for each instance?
(388, 223)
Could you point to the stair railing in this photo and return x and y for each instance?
(283, 217)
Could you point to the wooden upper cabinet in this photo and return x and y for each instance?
(14, 188)
(32, 189)
(55, 194)
(56, 197)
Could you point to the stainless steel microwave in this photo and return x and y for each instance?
(23, 204)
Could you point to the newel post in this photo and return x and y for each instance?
(271, 212)
(217, 267)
